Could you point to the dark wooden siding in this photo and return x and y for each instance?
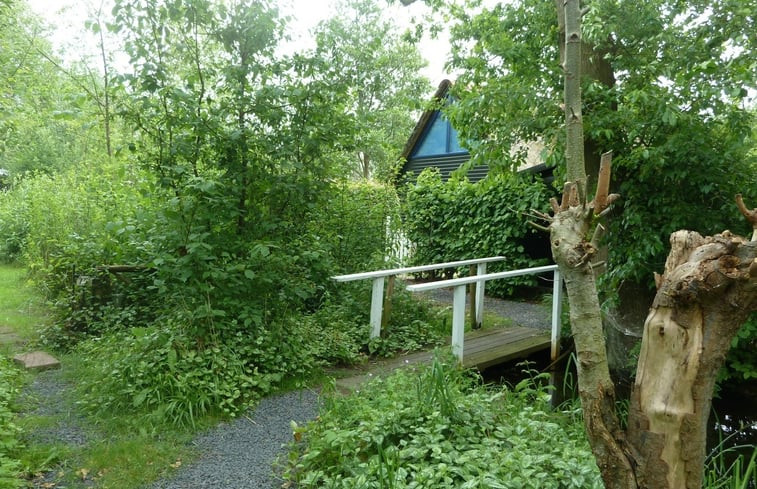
(446, 165)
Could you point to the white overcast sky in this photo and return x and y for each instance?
(67, 19)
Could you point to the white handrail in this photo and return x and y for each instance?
(378, 276)
(420, 268)
(454, 282)
(458, 302)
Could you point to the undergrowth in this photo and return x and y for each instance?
(161, 374)
(439, 427)
(9, 430)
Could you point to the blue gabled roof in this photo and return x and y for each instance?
(439, 138)
(434, 143)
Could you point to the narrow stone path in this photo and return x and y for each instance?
(240, 454)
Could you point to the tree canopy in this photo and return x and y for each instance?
(667, 87)
(375, 70)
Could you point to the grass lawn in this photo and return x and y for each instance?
(22, 310)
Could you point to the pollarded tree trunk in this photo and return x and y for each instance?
(569, 231)
(707, 292)
(573, 252)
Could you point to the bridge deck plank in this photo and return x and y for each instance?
(483, 348)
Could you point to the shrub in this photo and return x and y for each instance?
(439, 428)
(162, 375)
(9, 431)
(338, 333)
(458, 220)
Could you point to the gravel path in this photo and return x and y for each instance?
(239, 454)
(47, 393)
(235, 455)
(528, 314)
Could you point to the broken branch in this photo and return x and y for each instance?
(603, 183)
(555, 205)
(599, 232)
(566, 191)
(538, 226)
(751, 215)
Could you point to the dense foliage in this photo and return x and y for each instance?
(455, 220)
(160, 374)
(440, 428)
(666, 88)
(191, 265)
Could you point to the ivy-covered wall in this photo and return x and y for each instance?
(457, 220)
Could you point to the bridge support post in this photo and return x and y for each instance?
(387, 310)
(458, 322)
(556, 314)
(377, 302)
(480, 296)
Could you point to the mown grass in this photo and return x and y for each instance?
(21, 308)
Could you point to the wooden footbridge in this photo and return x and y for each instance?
(479, 348)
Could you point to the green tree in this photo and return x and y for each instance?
(375, 71)
(662, 74)
(45, 117)
(692, 81)
(241, 143)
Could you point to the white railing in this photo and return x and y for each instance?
(378, 305)
(458, 302)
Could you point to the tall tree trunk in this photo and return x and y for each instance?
(573, 252)
(593, 65)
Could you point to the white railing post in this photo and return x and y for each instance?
(377, 302)
(458, 322)
(481, 270)
(556, 313)
(377, 297)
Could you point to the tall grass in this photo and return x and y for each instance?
(731, 466)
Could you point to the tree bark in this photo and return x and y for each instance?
(593, 65)
(707, 292)
(572, 252)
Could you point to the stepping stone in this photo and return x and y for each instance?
(9, 338)
(348, 385)
(37, 360)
